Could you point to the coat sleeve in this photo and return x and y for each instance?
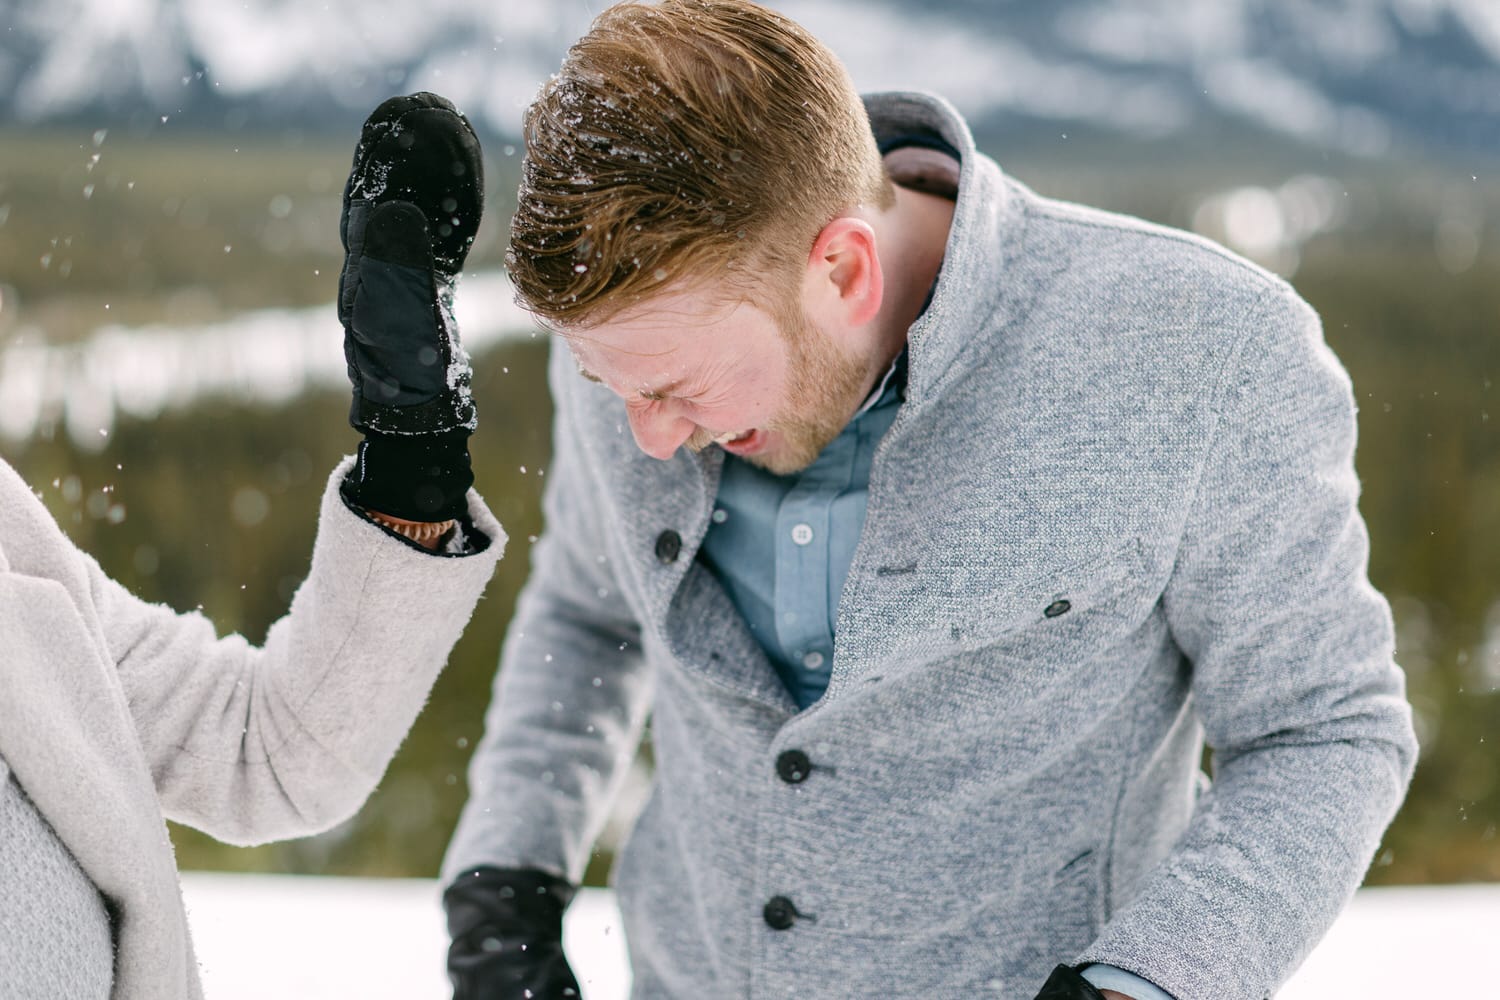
(573, 689)
(1291, 652)
(255, 744)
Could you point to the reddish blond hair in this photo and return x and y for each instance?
(687, 141)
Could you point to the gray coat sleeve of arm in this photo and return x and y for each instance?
(1291, 650)
(573, 689)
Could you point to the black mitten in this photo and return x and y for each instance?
(506, 930)
(1066, 984)
(411, 208)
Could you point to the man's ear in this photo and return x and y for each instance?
(844, 283)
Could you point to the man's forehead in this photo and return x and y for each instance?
(636, 351)
(664, 328)
(670, 312)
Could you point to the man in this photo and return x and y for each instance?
(959, 518)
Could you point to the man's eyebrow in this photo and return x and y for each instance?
(645, 393)
(662, 392)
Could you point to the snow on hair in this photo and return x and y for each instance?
(702, 141)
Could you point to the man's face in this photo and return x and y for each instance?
(695, 372)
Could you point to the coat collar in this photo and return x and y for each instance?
(984, 242)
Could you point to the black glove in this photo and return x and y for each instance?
(411, 208)
(506, 926)
(1066, 984)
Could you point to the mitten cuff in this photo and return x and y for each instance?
(414, 478)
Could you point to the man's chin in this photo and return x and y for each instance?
(784, 456)
(776, 465)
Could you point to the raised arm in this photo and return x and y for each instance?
(256, 744)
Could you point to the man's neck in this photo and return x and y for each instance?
(913, 236)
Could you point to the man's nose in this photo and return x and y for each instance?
(659, 433)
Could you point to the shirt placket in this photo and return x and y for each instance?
(803, 629)
(806, 605)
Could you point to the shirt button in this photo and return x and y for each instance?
(668, 545)
(813, 660)
(793, 766)
(802, 534)
(720, 516)
(779, 913)
(1056, 608)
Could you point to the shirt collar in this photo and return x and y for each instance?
(893, 381)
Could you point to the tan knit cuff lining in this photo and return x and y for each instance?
(424, 531)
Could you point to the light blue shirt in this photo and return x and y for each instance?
(782, 545)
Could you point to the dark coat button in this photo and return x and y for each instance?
(668, 545)
(793, 766)
(1057, 608)
(780, 914)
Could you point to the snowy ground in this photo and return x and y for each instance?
(298, 938)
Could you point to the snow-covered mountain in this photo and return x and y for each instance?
(1361, 76)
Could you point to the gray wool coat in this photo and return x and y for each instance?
(1115, 516)
(116, 712)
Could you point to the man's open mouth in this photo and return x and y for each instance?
(742, 442)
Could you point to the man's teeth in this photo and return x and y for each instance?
(729, 437)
